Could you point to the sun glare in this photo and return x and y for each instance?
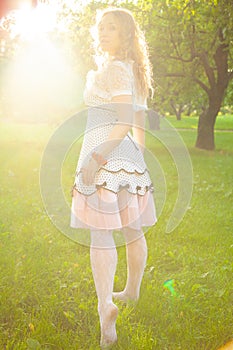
(33, 22)
(41, 81)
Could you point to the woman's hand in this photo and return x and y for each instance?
(88, 172)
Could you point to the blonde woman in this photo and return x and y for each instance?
(113, 189)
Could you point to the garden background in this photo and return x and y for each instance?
(47, 295)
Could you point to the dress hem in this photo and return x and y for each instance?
(149, 188)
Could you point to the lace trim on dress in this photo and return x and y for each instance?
(111, 80)
(120, 188)
(119, 79)
(118, 171)
(135, 183)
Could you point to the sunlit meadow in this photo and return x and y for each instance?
(47, 295)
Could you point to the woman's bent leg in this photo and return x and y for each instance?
(136, 252)
(103, 256)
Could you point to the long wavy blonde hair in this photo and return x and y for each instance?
(133, 47)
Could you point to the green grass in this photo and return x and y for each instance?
(47, 295)
(223, 122)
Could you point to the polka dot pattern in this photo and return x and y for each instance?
(125, 168)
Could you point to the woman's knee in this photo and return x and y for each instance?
(131, 234)
(102, 239)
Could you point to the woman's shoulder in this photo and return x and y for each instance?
(117, 69)
(120, 64)
(110, 69)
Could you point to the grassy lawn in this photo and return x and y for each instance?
(47, 297)
(223, 122)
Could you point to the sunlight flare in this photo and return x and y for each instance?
(30, 23)
(41, 81)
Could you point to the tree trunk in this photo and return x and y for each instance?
(218, 85)
(205, 132)
(177, 111)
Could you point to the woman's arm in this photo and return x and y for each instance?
(125, 114)
(139, 129)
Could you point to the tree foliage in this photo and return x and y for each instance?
(191, 51)
(191, 48)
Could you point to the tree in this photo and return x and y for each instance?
(191, 39)
(191, 52)
(227, 106)
(176, 96)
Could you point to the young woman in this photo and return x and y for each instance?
(113, 189)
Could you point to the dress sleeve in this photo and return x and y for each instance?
(119, 79)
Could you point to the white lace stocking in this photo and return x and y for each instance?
(103, 256)
(136, 252)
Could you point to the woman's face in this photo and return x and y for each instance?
(109, 34)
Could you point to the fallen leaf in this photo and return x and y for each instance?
(31, 327)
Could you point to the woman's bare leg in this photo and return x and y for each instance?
(103, 256)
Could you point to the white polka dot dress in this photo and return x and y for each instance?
(121, 194)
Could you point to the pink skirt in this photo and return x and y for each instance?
(105, 209)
